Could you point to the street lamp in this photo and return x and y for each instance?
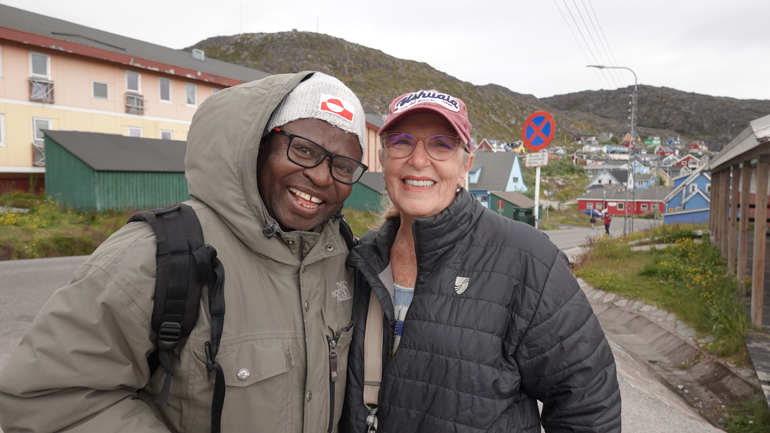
(630, 153)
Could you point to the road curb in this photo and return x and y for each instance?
(671, 350)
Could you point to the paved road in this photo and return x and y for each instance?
(576, 236)
(25, 285)
(648, 406)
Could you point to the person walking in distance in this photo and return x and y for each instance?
(607, 220)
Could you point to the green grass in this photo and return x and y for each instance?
(47, 230)
(753, 417)
(360, 222)
(688, 279)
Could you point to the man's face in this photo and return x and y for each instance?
(302, 198)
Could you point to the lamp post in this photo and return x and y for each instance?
(630, 152)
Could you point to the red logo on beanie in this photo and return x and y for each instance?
(335, 105)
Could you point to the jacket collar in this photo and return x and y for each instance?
(433, 236)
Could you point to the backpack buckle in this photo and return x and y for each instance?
(168, 335)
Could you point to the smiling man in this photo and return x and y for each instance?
(269, 164)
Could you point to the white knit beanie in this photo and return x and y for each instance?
(322, 97)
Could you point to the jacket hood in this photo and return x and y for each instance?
(222, 148)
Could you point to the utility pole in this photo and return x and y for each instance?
(632, 118)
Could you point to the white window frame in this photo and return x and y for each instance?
(708, 188)
(47, 65)
(621, 206)
(590, 205)
(644, 207)
(170, 134)
(693, 188)
(35, 129)
(138, 83)
(93, 92)
(2, 130)
(170, 90)
(195, 87)
(136, 128)
(599, 206)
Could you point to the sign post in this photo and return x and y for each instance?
(537, 133)
(500, 206)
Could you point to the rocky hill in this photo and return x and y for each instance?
(495, 111)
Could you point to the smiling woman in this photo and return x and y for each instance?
(482, 308)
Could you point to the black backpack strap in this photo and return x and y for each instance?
(184, 265)
(345, 231)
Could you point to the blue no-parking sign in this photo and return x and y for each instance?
(538, 130)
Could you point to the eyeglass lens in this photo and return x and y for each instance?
(309, 154)
(439, 147)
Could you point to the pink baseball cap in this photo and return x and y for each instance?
(450, 108)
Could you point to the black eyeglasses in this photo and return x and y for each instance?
(308, 154)
(439, 147)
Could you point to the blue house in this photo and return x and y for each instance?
(492, 171)
(689, 201)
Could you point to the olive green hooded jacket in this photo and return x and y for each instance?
(82, 365)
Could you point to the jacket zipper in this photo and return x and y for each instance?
(333, 370)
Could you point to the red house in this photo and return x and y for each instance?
(664, 151)
(619, 202)
(688, 161)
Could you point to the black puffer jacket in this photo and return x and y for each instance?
(477, 361)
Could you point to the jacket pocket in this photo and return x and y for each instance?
(257, 378)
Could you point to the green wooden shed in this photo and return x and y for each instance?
(515, 206)
(367, 193)
(95, 172)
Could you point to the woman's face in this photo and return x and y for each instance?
(418, 185)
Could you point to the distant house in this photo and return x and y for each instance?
(673, 141)
(91, 171)
(690, 200)
(644, 181)
(605, 137)
(666, 175)
(367, 193)
(578, 159)
(668, 160)
(592, 170)
(619, 202)
(518, 147)
(495, 172)
(593, 148)
(689, 161)
(664, 151)
(586, 139)
(514, 206)
(610, 178)
(652, 141)
(697, 146)
(489, 145)
(638, 167)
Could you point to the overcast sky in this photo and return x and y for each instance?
(712, 47)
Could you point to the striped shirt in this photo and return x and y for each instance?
(402, 298)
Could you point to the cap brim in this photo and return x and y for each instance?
(426, 108)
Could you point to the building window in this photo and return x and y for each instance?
(708, 188)
(693, 188)
(2, 130)
(133, 82)
(100, 90)
(191, 94)
(598, 206)
(40, 65)
(166, 135)
(38, 125)
(134, 131)
(165, 89)
(589, 205)
(620, 206)
(515, 179)
(643, 207)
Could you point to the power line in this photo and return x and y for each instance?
(585, 41)
(598, 75)
(615, 62)
(615, 72)
(598, 51)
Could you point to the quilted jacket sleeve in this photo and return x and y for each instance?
(565, 361)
